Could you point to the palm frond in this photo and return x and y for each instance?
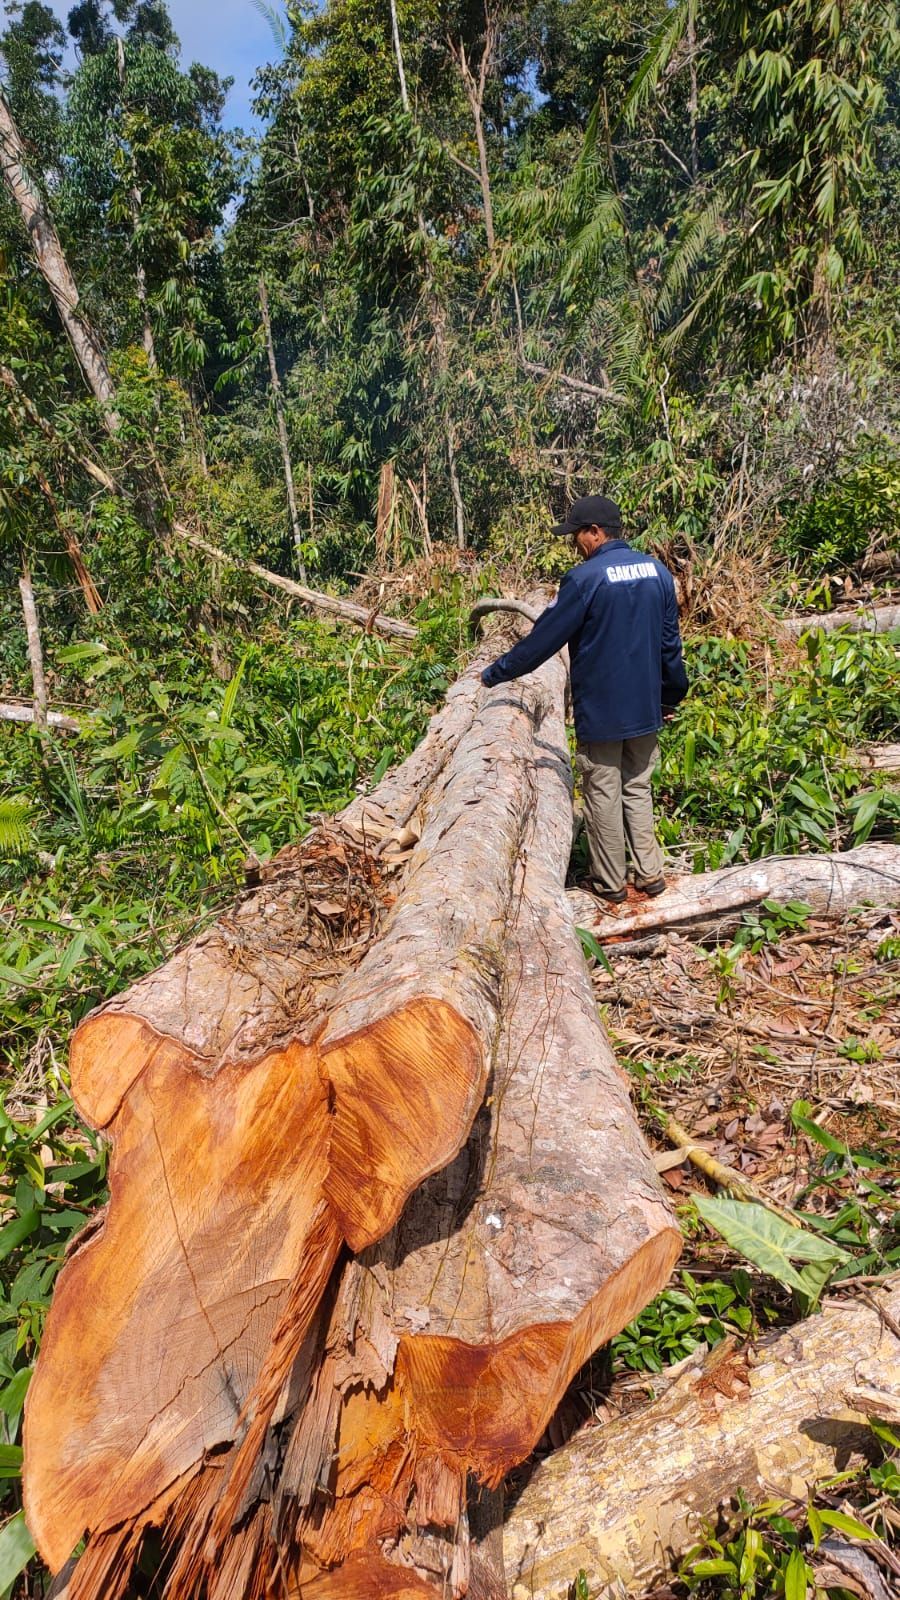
(660, 51)
(277, 23)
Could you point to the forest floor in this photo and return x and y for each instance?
(778, 1051)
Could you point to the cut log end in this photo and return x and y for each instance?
(404, 1093)
(482, 1408)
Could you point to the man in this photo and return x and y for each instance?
(618, 615)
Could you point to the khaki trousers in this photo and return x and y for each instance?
(618, 809)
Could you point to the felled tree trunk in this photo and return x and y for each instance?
(332, 604)
(453, 1340)
(194, 1066)
(624, 1501)
(275, 1094)
(828, 883)
(868, 619)
(270, 1096)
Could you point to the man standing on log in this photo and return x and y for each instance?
(618, 615)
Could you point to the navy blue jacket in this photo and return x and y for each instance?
(618, 614)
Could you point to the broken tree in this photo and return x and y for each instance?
(275, 1094)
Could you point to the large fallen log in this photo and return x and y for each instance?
(828, 883)
(623, 1502)
(453, 1340)
(263, 1110)
(332, 604)
(270, 1095)
(176, 1070)
(861, 619)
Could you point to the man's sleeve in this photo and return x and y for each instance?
(674, 677)
(553, 629)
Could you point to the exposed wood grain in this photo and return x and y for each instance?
(452, 1341)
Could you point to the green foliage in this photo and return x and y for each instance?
(766, 766)
(681, 1320)
(773, 1244)
(837, 526)
(769, 1553)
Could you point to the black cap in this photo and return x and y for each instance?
(591, 509)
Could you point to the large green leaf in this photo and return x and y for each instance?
(16, 1550)
(769, 1242)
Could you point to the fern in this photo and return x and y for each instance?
(16, 832)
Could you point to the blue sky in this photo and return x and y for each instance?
(229, 35)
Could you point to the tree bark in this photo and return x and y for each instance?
(881, 757)
(270, 1095)
(11, 712)
(52, 262)
(507, 1269)
(828, 883)
(346, 610)
(384, 515)
(871, 619)
(278, 398)
(35, 650)
(622, 1502)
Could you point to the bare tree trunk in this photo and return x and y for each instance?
(398, 52)
(53, 264)
(474, 90)
(384, 516)
(692, 97)
(459, 513)
(278, 397)
(35, 653)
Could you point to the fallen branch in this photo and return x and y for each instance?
(728, 1178)
(624, 1501)
(597, 391)
(828, 883)
(346, 610)
(10, 711)
(484, 608)
(880, 757)
(869, 619)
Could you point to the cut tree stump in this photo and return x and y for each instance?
(828, 883)
(624, 1501)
